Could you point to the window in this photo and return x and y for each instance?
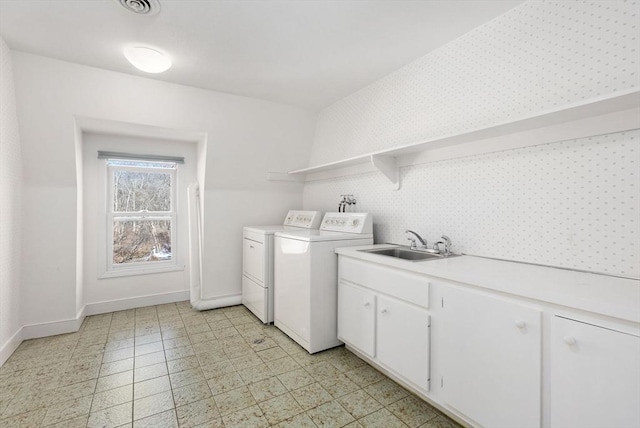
(141, 216)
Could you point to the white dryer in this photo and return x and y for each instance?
(257, 260)
(306, 278)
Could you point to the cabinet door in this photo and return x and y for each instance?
(491, 358)
(356, 314)
(595, 376)
(403, 333)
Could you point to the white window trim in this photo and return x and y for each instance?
(106, 267)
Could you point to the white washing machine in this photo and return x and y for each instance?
(257, 260)
(306, 278)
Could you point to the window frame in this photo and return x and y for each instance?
(111, 269)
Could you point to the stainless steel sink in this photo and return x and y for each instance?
(406, 254)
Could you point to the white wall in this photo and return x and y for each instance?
(97, 288)
(10, 210)
(535, 57)
(245, 139)
(572, 203)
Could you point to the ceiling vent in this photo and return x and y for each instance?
(141, 7)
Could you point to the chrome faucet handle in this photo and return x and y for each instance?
(447, 244)
(413, 243)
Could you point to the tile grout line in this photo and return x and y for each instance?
(318, 367)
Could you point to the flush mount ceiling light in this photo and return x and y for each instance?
(140, 7)
(147, 59)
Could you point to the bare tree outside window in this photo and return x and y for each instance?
(141, 241)
(142, 211)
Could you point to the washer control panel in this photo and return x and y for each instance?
(303, 219)
(347, 222)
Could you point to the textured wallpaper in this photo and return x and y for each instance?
(573, 204)
(540, 55)
(10, 203)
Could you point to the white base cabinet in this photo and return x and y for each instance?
(386, 327)
(595, 376)
(495, 359)
(393, 333)
(491, 361)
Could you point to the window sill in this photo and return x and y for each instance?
(135, 271)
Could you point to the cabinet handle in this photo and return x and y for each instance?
(367, 304)
(520, 324)
(250, 246)
(383, 311)
(569, 340)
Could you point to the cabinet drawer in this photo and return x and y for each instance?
(408, 286)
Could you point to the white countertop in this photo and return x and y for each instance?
(601, 294)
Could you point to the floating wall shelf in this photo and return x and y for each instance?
(386, 161)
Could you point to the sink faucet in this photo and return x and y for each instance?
(413, 241)
(447, 245)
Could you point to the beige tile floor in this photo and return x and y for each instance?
(170, 366)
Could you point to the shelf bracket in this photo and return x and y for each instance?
(387, 165)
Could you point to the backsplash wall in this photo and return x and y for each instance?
(573, 204)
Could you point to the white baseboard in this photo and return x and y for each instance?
(10, 346)
(135, 302)
(205, 304)
(34, 331)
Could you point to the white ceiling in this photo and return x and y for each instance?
(302, 52)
